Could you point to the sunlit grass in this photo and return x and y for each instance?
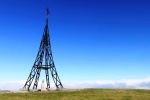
(86, 94)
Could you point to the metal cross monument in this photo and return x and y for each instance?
(44, 60)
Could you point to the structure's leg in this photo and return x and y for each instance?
(47, 79)
(46, 64)
(55, 76)
(30, 78)
(37, 78)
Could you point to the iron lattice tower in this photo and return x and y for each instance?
(44, 60)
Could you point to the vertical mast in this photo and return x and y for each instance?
(47, 10)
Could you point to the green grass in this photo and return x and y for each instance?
(86, 94)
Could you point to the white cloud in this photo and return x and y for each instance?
(143, 83)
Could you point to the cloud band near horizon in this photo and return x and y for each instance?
(143, 83)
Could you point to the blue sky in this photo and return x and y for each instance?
(91, 39)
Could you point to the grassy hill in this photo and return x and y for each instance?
(85, 94)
